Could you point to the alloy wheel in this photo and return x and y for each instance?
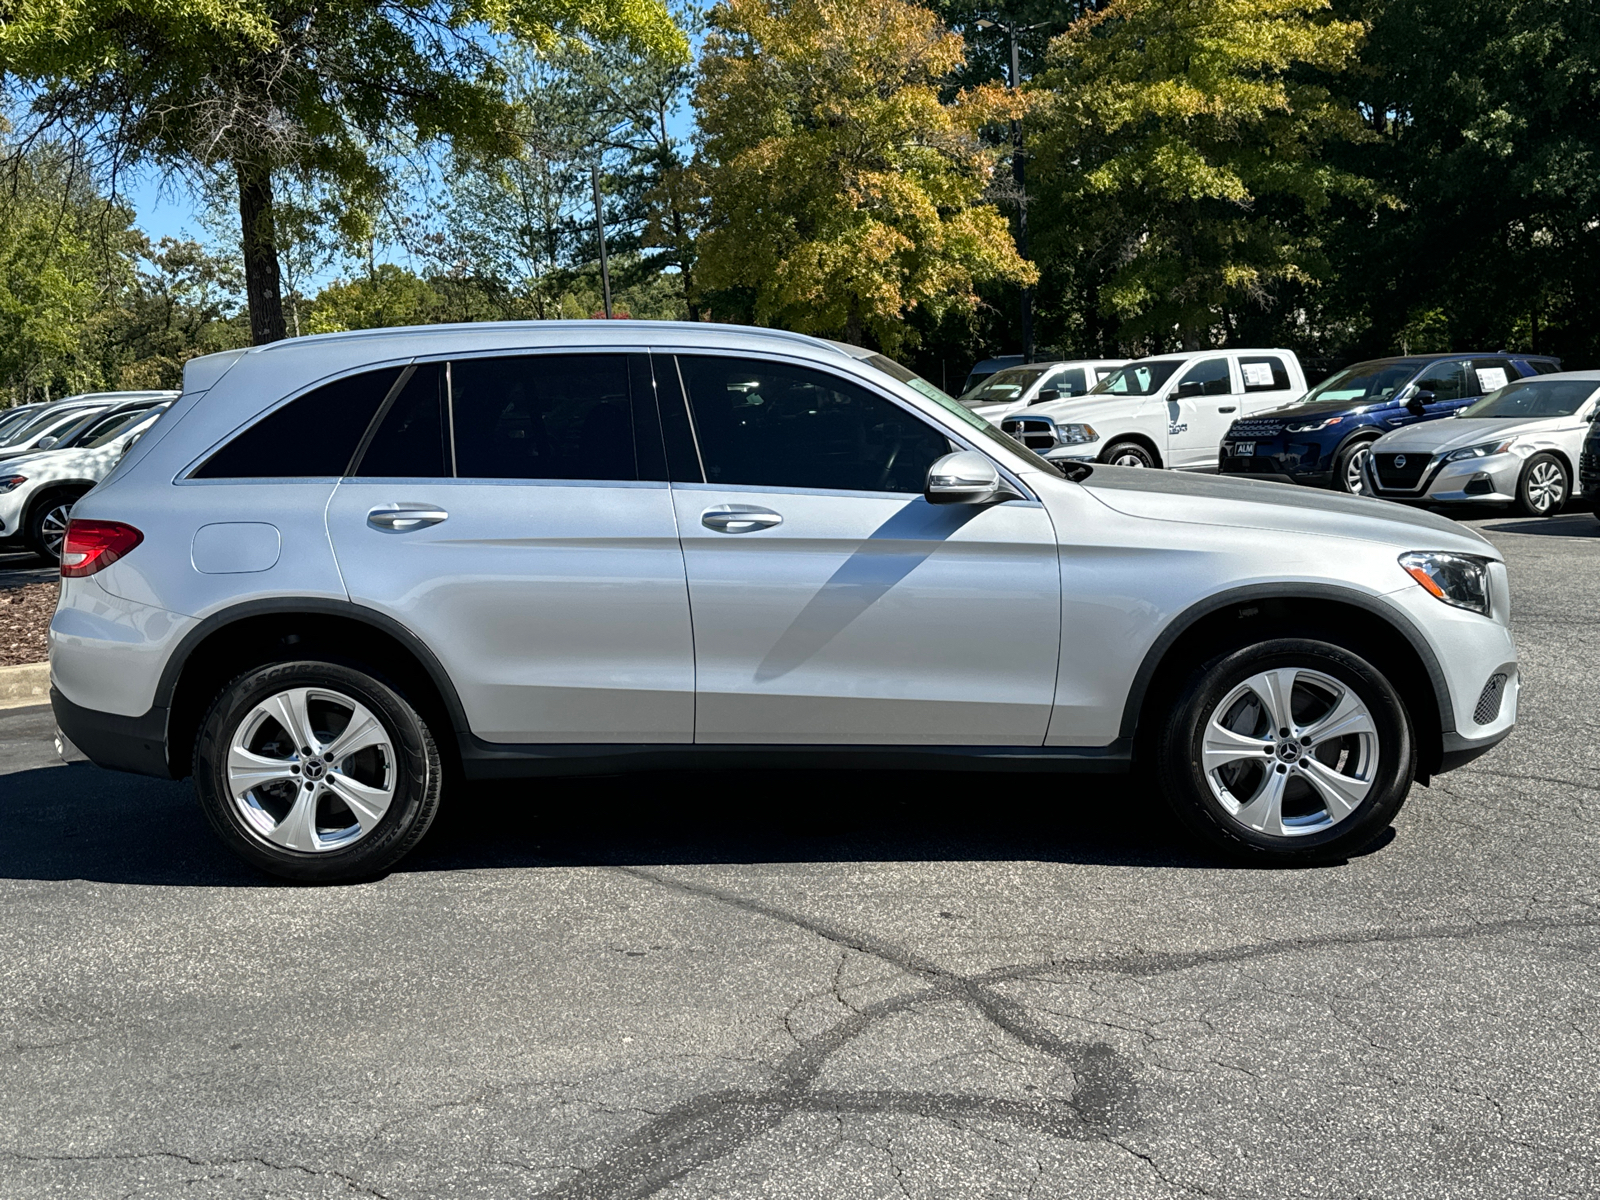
(53, 527)
(311, 769)
(1127, 460)
(1290, 752)
(1547, 486)
(1354, 482)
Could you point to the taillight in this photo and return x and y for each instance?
(92, 546)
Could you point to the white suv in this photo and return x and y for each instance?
(342, 569)
(1020, 387)
(1170, 410)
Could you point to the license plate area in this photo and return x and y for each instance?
(1242, 449)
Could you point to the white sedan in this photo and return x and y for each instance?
(1520, 444)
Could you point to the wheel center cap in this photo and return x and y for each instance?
(314, 768)
(1289, 751)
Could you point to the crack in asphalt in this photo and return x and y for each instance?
(715, 1123)
(210, 1163)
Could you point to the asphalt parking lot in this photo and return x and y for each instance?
(821, 985)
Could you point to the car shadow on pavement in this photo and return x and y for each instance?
(1576, 525)
(80, 822)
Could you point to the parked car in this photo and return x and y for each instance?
(1589, 464)
(986, 367)
(59, 422)
(1520, 444)
(1169, 410)
(13, 419)
(550, 548)
(1017, 388)
(38, 490)
(1323, 439)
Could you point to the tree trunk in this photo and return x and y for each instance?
(260, 245)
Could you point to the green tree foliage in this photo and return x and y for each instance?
(1487, 119)
(333, 91)
(842, 192)
(1180, 163)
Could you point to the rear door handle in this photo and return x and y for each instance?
(397, 519)
(739, 518)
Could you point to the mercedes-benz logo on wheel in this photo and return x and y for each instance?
(1399, 460)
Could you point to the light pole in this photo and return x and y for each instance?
(1013, 78)
(600, 229)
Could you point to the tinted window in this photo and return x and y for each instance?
(1534, 398)
(110, 430)
(1067, 383)
(313, 435)
(764, 424)
(547, 416)
(1212, 376)
(1446, 380)
(1485, 375)
(1137, 379)
(411, 442)
(1544, 366)
(1265, 373)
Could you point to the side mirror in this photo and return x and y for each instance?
(1191, 387)
(46, 442)
(965, 477)
(1046, 395)
(1417, 400)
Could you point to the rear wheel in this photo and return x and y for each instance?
(47, 523)
(1290, 751)
(1128, 454)
(1543, 488)
(1348, 466)
(316, 771)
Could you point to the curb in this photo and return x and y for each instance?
(25, 685)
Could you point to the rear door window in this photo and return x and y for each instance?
(1264, 373)
(1485, 375)
(412, 440)
(314, 435)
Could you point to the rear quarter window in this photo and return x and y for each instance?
(314, 435)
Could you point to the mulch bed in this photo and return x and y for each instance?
(25, 614)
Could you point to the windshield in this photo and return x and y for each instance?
(958, 410)
(54, 422)
(15, 421)
(1364, 383)
(1136, 379)
(112, 428)
(1534, 398)
(1003, 386)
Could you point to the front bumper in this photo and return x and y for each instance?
(1489, 480)
(1279, 459)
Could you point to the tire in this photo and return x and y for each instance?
(1128, 454)
(47, 523)
(1544, 486)
(368, 807)
(1224, 717)
(1347, 475)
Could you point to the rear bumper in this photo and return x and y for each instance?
(118, 743)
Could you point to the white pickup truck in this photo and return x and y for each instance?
(1169, 410)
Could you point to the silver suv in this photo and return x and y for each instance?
(342, 570)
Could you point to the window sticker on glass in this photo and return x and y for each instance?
(1491, 379)
(1256, 374)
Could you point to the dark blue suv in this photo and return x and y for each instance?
(1322, 439)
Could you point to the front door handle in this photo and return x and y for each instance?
(739, 518)
(1230, 408)
(396, 519)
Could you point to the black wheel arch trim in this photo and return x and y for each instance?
(167, 687)
(1181, 624)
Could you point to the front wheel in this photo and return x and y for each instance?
(1543, 488)
(1128, 454)
(316, 771)
(1347, 468)
(1289, 751)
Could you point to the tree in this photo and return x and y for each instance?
(841, 192)
(66, 259)
(184, 301)
(331, 90)
(1181, 164)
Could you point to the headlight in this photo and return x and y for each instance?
(1313, 426)
(11, 483)
(1482, 451)
(1458, 579)
(1075, 435)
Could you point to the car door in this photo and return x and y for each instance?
(1200, 408)
(832, 604)
(1442, 387)
(512, 511)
